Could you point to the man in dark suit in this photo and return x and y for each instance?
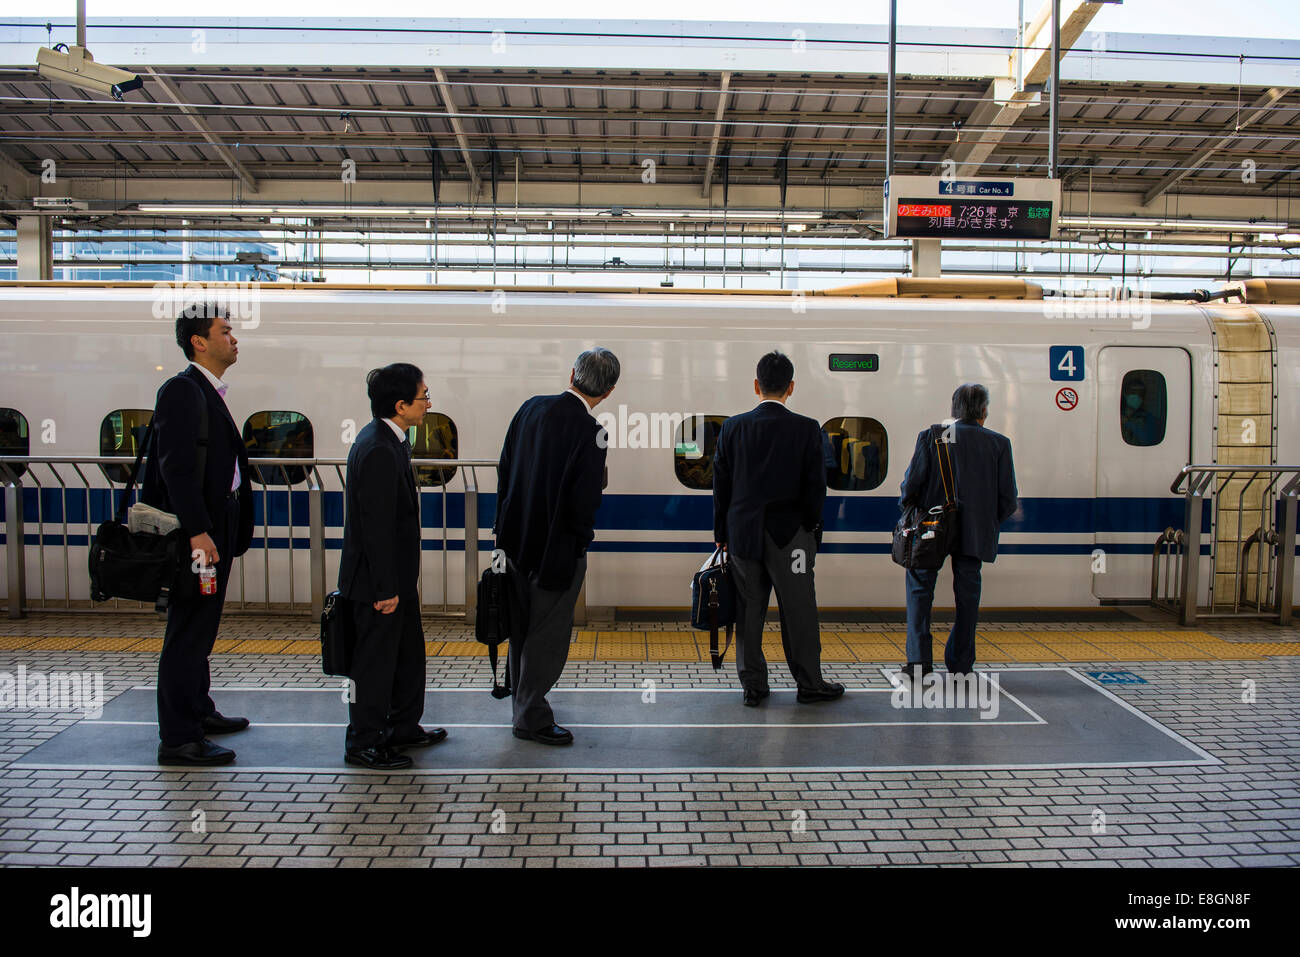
(986, 497)
(379, 574)
(206, 485)
(769, 483)
(548, 489)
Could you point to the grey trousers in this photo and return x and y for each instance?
(796, 599)
(537, 663)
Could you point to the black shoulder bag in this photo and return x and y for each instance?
(713, 603)
(142, 566)
(501, 616)
(925, 539)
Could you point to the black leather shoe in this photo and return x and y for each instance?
(829, 691)
(754, 697)
(218, 723)
(378, 759)
(428, 736)
(552, 735)
(908, 670)
(202, 753)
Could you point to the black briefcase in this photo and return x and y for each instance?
(338, 636)
(139, 566)
(713, 603)
(501, 615)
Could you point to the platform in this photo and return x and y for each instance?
(1118, 749)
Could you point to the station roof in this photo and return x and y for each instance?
(588, 117)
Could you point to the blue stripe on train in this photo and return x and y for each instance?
(676, 512)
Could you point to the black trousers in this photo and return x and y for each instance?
(388, 675)
(192, 623)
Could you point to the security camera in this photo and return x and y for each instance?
(76, 67)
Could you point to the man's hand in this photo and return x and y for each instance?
(387, 606)
(721, 545)
(204, 543)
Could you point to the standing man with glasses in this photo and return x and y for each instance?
(198, 470)
(378, 574)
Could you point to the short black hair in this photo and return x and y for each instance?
(196, 320)
(390, 385)
(775, 371)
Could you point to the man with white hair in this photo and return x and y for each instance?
(549, 482)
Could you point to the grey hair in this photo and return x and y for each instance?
(595, 372)
(970, 402)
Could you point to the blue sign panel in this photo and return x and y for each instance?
(975, 187)
(1116, 678)
(1065, 363)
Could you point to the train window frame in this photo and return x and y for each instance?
(433, 476)
(1159, 400)
(23, 433)
(121, 474)
(836, 479)
(682, 464)
(283, 475)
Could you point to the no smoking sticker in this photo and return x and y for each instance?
(1066, 399)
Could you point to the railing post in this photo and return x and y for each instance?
(1286, 555)
(471, 543)
(1191, 549)
(15, 553)
(316, 542)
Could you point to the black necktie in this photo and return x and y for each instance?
(406, 447)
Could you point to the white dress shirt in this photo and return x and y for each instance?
(401, 432)
(578, 395)
(221, 388)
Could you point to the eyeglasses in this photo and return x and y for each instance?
(421, 398)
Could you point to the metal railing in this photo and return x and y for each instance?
(74, 494)
(1266, 531)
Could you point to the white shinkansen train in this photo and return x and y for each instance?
(1104, 403)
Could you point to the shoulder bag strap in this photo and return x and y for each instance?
(135, 472)
(945, 468)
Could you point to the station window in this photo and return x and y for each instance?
(279, 435)
(14, 439)
(693, 448)
(121, 433)
(434, 438)
(1143, 401)
(856, 451)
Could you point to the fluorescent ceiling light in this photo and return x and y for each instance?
(428, 212)
(1124, 222)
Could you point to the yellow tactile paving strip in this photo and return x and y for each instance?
(992, 647)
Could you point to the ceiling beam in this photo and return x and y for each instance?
(1003, 103)
(717, 133)
(1259, 108)
(226, 154)
(453, 117)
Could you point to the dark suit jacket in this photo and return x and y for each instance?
(171, 476)
(548, 487)
(381, 520)
(986, 485)
(769, 473)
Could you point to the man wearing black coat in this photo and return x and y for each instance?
(985, 477)
(207, 487)
(379, 573)
(549, 481)
(769, 483)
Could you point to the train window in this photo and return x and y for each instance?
(121, 433)
(434, 438)
(278, 435)
(14, 439)
(1142, 403)
(856, 451)
(693, 448)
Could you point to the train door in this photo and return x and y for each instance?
(1144, 431)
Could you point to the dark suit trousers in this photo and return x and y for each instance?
(192, 623)
(959, 653)
(796, 600)
(388, 672)
(537, 663)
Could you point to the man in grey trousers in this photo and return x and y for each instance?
(549, 482)
(769, 483)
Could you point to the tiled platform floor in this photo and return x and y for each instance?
(1243, 708)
